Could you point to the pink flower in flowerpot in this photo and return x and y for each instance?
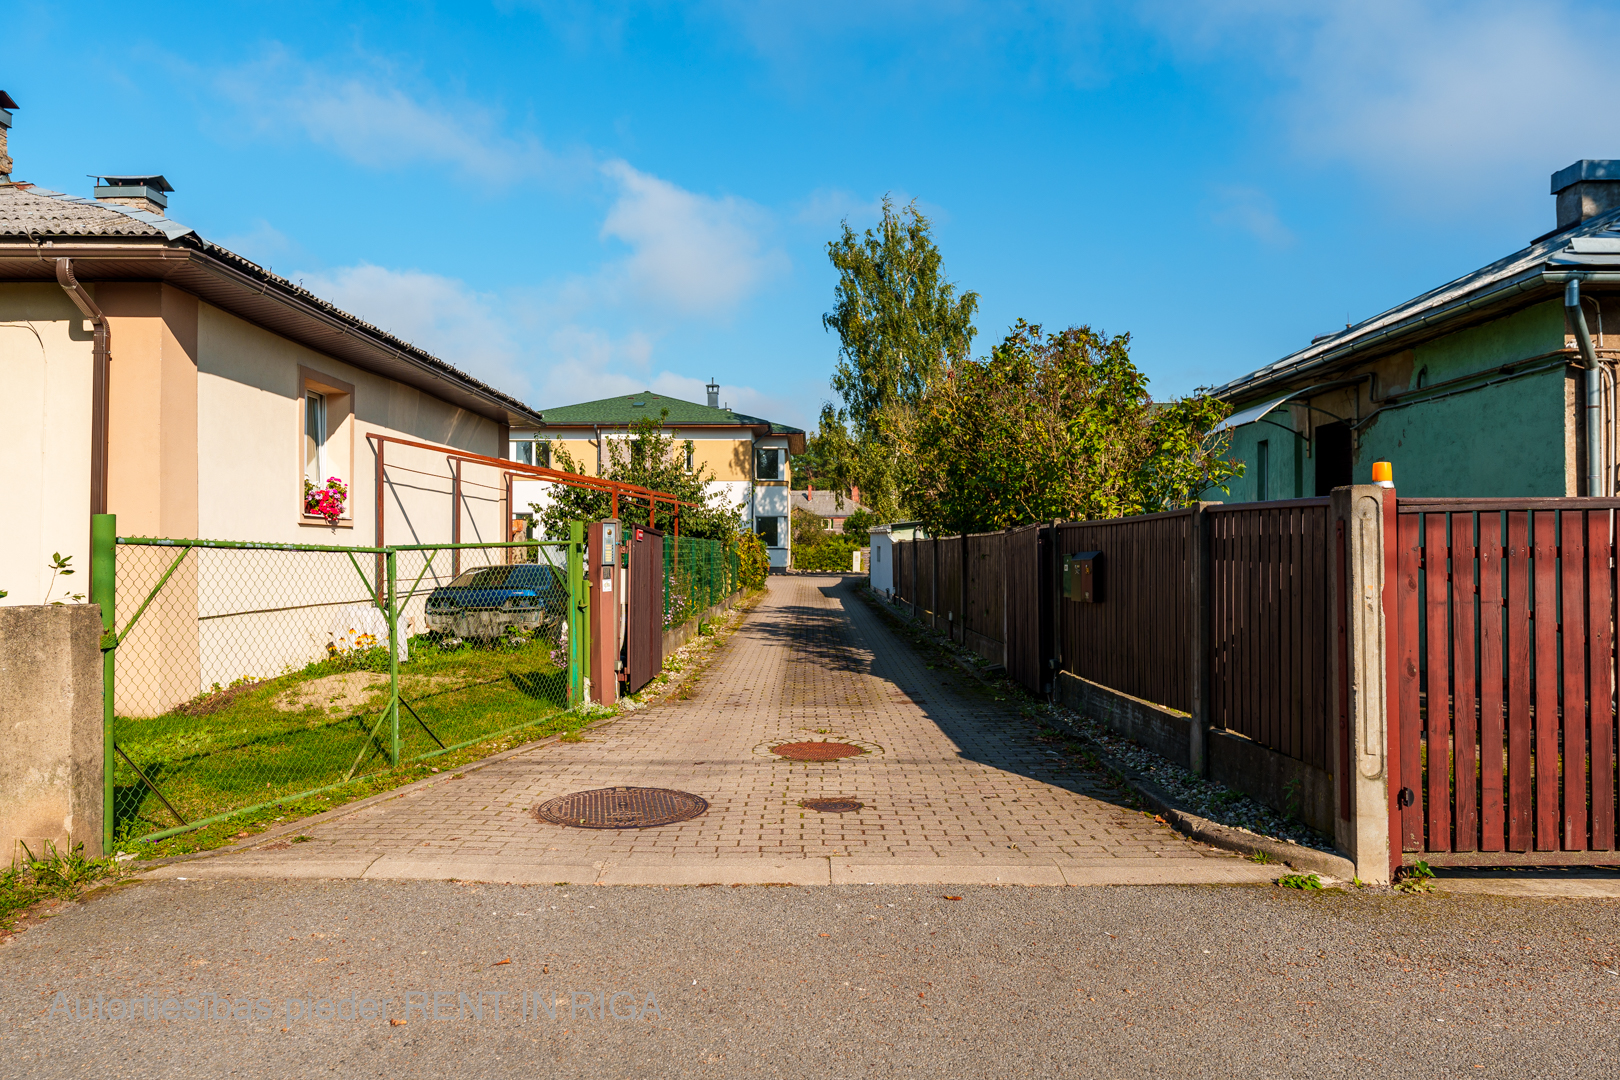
(326, 502)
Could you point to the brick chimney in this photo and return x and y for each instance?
(1585, 190)
(6, 105)
(149, 193)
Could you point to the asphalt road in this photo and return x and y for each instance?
(829, 982)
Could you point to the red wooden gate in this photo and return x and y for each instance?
(1504, 640)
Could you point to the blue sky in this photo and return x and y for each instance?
(573, 200)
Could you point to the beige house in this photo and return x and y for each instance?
(748, 456)
(159, 377)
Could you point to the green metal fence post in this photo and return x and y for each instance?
(103, 591)
(392, 558)
(578, 622)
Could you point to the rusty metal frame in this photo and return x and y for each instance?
(511, 469)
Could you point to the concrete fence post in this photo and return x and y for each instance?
(1359, 698)
(52, 745)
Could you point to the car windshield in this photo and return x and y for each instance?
(522, 576)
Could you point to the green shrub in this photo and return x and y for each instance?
(756, 561)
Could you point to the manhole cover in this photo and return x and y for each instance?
(816, 751)
(621, 808)
(832, 806)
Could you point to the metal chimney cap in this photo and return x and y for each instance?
(1585, 169)
(156, 183)
(6, 102)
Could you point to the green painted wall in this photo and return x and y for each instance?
(1501, 440)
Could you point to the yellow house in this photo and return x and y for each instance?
(748, 456)
(152, 374)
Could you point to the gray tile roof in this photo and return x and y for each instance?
(1593, 245)
(28, 210)
(824, 504)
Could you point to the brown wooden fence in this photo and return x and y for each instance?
(1029, 600)
(1505, 616)
(1140, 638)
(984, 594)
(1268, 625)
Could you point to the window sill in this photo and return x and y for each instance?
(311, 519)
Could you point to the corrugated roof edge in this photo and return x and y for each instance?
(1413, 315)
(174, 230)
(167, 226)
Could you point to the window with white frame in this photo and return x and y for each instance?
(315, 432)
(767, 463)
(688, 455)
(770, 530)
(531, 451)
(326, 447)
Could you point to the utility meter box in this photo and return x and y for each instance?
(1082, 577)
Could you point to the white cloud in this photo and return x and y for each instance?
(1474, 96)
(465, 328)
(1252, 211)
(690, 253)
(370, 119)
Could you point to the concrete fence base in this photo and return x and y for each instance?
(50, 729)
(676, 636)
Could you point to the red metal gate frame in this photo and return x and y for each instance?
(513, 469)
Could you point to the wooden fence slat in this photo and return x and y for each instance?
(1519, 811)
(1572, 632)
(1600, 677)
(1544, 624)
(1409, 538)
(1437, 769)
(1464, 720)
(1492, 812)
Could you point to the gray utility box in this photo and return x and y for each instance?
(1082, 577)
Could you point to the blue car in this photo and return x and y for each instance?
(485, 603)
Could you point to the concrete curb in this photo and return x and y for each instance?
(1297, 856)
(805, 872)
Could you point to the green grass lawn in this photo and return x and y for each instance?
(261, 742)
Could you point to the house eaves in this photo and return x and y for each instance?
(108, 242)
(1589, 252)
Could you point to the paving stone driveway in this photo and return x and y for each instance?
(954, 788)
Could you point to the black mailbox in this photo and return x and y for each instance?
(1082, 577)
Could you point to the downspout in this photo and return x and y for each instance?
(1576, 319)
(100, 353)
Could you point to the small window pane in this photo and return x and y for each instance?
(523, 452)
(315, 437)
(766, 464)
(768, 531)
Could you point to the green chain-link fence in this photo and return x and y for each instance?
(697, 575)
(249, 674)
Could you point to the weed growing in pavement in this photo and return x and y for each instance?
(1308, 882)
(1417, 878)
(50, 875)
(1260, 857)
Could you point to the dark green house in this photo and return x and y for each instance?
(1500, 383)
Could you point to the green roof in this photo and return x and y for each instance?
(618, 411)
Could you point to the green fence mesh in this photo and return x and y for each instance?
(251, 674)
(697, 575)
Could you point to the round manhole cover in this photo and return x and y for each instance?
(621, 808)
(832, 806)
(816, 751)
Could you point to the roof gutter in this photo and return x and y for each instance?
(100, 356)
(1503, 293)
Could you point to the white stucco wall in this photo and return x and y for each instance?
(45, 370)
